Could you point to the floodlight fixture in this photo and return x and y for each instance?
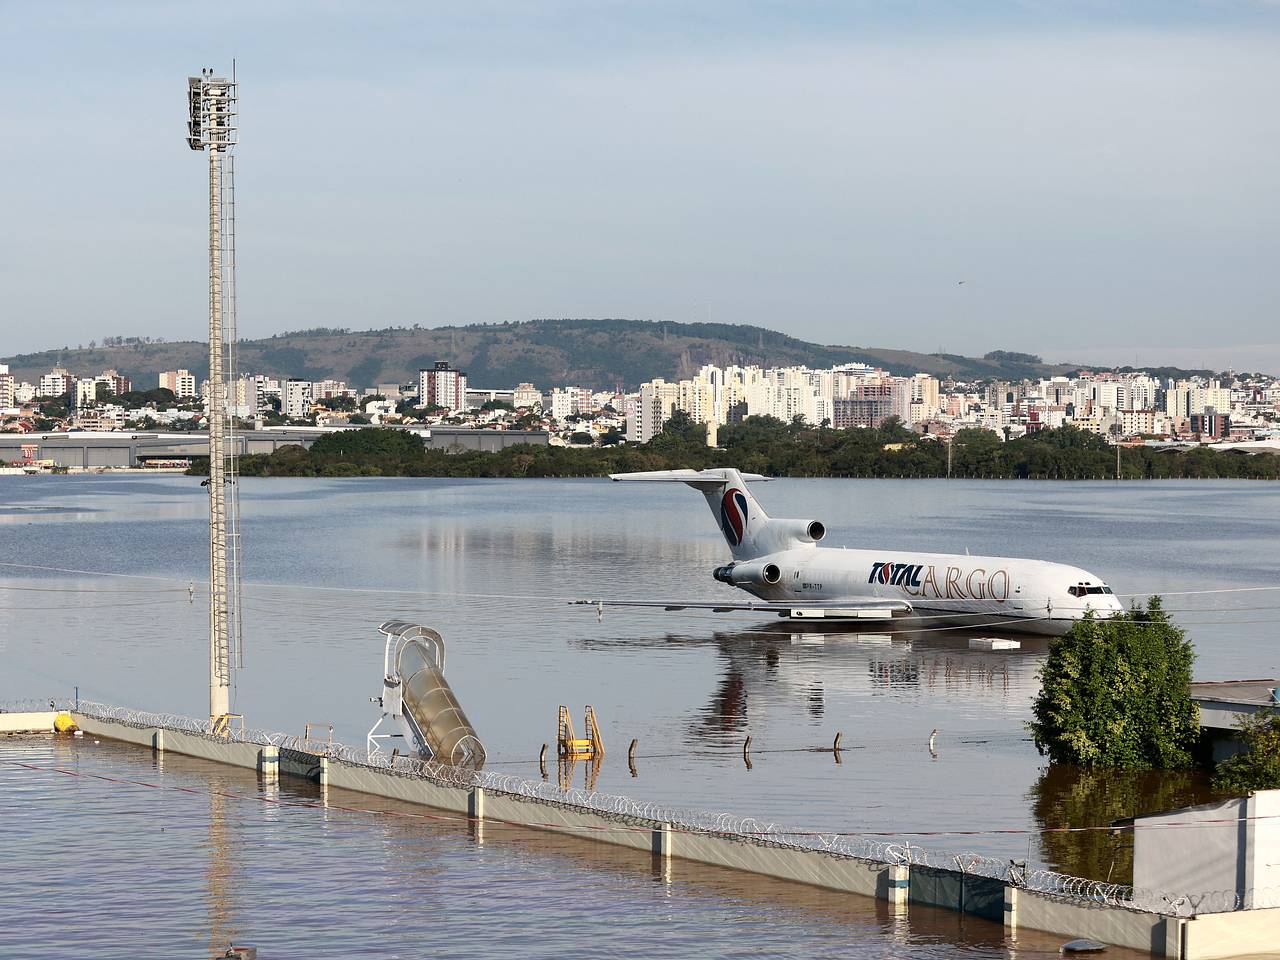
(211, 112)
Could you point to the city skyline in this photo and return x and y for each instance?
(1089, 185)
(1128, 406)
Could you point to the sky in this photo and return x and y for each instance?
(1092, 182)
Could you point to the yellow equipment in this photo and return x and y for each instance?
(570, 746)
(63, 723)
(221, 726)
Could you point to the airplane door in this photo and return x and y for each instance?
(795, 583)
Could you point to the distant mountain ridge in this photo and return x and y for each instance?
(597, 353)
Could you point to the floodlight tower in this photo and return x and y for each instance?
(211, 126)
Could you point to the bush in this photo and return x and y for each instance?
(1258, 767)
(1116, 693)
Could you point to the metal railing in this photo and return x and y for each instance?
(651, 814)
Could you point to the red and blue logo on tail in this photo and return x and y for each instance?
(733, 515)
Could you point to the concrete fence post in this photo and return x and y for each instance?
(475, 814)
(324, 771)
(157, 740)
(269, 762)
(662, 841)
(1011, 908)
(1175, 938)
(899, 884)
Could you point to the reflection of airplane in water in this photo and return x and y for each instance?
(782, 663)
(779, 562)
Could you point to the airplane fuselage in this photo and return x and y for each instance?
(1031, 595)
(778, 560)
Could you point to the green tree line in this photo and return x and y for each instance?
(768, 446)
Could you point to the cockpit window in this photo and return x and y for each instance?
(1083, 590)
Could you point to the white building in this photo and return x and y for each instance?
(295, 399)
(7, 387)
(56, 383)
(653, 408)
(181, 382)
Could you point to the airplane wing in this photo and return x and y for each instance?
(869, 609)
(686, 476)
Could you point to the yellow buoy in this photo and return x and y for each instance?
(63, 723)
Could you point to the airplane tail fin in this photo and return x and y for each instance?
(747, 529)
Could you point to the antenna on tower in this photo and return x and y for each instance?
(211, 126)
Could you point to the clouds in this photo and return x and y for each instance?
(829, 170)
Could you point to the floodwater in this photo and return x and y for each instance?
(111, 853)
(492, 564)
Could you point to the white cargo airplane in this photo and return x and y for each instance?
(779, 562)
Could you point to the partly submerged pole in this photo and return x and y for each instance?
(219, 621)
(211, 127)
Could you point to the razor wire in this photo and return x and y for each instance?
(653, 815)
(35, 705)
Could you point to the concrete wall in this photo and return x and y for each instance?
(41, 722)
(1121, 928)
(113, 730)
(565, 819)
(1213, 936)
(814, 868)
(1262, 857)
(1229, 846)
(1203, 857)
(383, 783)
(248, 755)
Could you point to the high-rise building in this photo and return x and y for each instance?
(112, 382)
(181, 382)
(443, 386)
(295, 398)
(561, 403)
(56, 383)
(653, 408)
(327, 389)
(924, 391)
(7, 398)
(871, 404)
(86, 392)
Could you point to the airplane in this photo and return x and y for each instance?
(779, 562)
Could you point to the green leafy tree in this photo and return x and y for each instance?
(342, 402)
(1258, 767)
(1116, 693)
(682, 428)
(369, 445)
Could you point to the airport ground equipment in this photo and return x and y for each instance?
(569, 746)
(420, 703)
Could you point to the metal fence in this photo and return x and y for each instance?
(652, 814)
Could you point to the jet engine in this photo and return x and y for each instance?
(798, 531)
(749, 573)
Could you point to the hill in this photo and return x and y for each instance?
(595, 353)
